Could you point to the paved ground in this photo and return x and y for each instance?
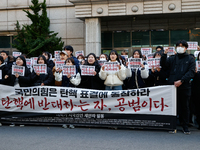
(56, 138)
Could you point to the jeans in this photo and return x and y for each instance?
(113, 87)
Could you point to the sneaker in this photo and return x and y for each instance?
(186, 130)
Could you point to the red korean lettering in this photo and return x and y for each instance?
(44, 103)
(30, 102)
(102, 105)
(121, 103)
(135, 104)
(6, 102)
(84, 104)
(58, 104)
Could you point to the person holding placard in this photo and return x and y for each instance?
(63, 57)
(138, 74)
(50, 63)
(39, 78)
(3, 70)
(92, 81)
(17, 79)
(114, 78)
(72, 77)
(182, 69)
(160, 75)
(69, 50)
(8, 59)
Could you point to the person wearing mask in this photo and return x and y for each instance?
(69, 80)
(103, 57)
(138, 75)
(3, 70)
(50, 63)
(81, 59)
(92, 82)
(16, 80)
(181, 70)
(69, 49)
(63, 57)
(114, 80)
(42, 79)
(160, 49)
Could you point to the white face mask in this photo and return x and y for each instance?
(102, 58)
(80, 60)
(180, 50)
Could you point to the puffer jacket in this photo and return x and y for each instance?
(115, 78)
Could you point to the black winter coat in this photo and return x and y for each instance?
(24, 81)
(92, 82)
(4, 69)
(50, 64)
(181, 67)
(47, 79)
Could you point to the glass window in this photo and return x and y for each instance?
(106, 39)
(178, 35)
(140, 39)
(159, 38)
(122, 39)
(4, 41)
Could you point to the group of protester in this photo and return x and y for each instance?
(178, 70)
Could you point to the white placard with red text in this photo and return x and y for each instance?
(153, 62)
(57, 55)
(34, 60)
(159, 100)
(87, 70)
(134, 63)
(101, 62)
(196, 53)
(198, 65)
(20, 70)
(40, 68)
(150, 56)
(29, 63)
(77, 53)
(146, 51)
(111, 66)
(16, 54)
(69, 70)
(192, 45)
(0, 74)
(170, 51)
(59, 64)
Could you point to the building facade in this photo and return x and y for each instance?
(101, 25)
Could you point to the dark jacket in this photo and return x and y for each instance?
(181, 67)
(47, 79)
(130, 83)
(76, 62)
(24, 81)
(50, 64)
(92, 82)
(4, 70)
(160, 77)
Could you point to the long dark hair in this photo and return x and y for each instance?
(43, 57)
(137, 50)
(70, 59)
(96, 62)
(114, 52)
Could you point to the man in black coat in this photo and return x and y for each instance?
(182, 69)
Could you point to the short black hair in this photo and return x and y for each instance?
(183, 42)
(69, 47)
(43, 57)
(159, 47)
(7, 53)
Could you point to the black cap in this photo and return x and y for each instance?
(69, 47)
(5, 52)
(23, 59)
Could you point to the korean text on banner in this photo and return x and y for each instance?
(135, 63)
(20, 70)
(160, 100)
(40, 68)
(69, 70)
(87, 70)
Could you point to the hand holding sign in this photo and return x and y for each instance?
(166, 50)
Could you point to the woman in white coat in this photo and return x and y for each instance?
(114, 80)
